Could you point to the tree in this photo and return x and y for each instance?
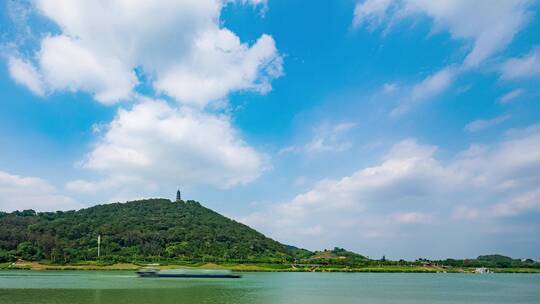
(27, 251)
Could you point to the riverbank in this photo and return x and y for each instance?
(92, 265)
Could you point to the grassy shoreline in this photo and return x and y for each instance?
(94, 266)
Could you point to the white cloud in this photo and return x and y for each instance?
(262, 5)
(187, 55)
(326, 138)
(107, 48)
(371, 12)
(512, 95)
(252, 2)
(490, 27)
(522, 67)
(512, 165)
(389, 88)
(412, 218)
(25, 74)
(67, 65)
(114, 182)
(311, 231)
(289, 149)
(330, 138)
(343, 127)
(483, 182)
(156, 143)
(520, 204)
(320, 145)
(465, 213)
(404, 160)
(408, 172)
(433, 84)
(19, 193)
(482, 124)
(528, 131)
(219, 64)
(429, 87)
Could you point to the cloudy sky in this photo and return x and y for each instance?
(405, 128)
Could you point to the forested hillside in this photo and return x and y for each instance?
(158, 230)
(145, 230)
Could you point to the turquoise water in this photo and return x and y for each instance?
(95, 287)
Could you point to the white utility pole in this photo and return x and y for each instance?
(98, 244)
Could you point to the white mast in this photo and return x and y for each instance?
(98, 244)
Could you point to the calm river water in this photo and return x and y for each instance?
(70, 287)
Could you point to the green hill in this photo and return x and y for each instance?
(158, 230)
(145, 230)
(337, 253)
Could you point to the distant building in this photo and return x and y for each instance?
(482, 270)
(178, 196)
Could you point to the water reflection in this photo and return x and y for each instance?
(191, 294)
(265, 288)
(104, 288)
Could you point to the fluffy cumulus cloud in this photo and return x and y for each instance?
(481, 184)
(187, 55)
(19, 193)
(219, 64)
(156, 143)
(66, 64)
(182, 51)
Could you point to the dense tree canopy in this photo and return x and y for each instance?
(139, 230)
(492, 261)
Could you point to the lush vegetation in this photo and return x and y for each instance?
(492, 261)
(337, 256)
(186, 233)
(146, 230)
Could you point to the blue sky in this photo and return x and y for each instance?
(404, 128)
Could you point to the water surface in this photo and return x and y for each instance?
(67, 287)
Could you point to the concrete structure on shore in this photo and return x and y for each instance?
(482, 270)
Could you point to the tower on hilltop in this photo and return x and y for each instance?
(178, 196)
